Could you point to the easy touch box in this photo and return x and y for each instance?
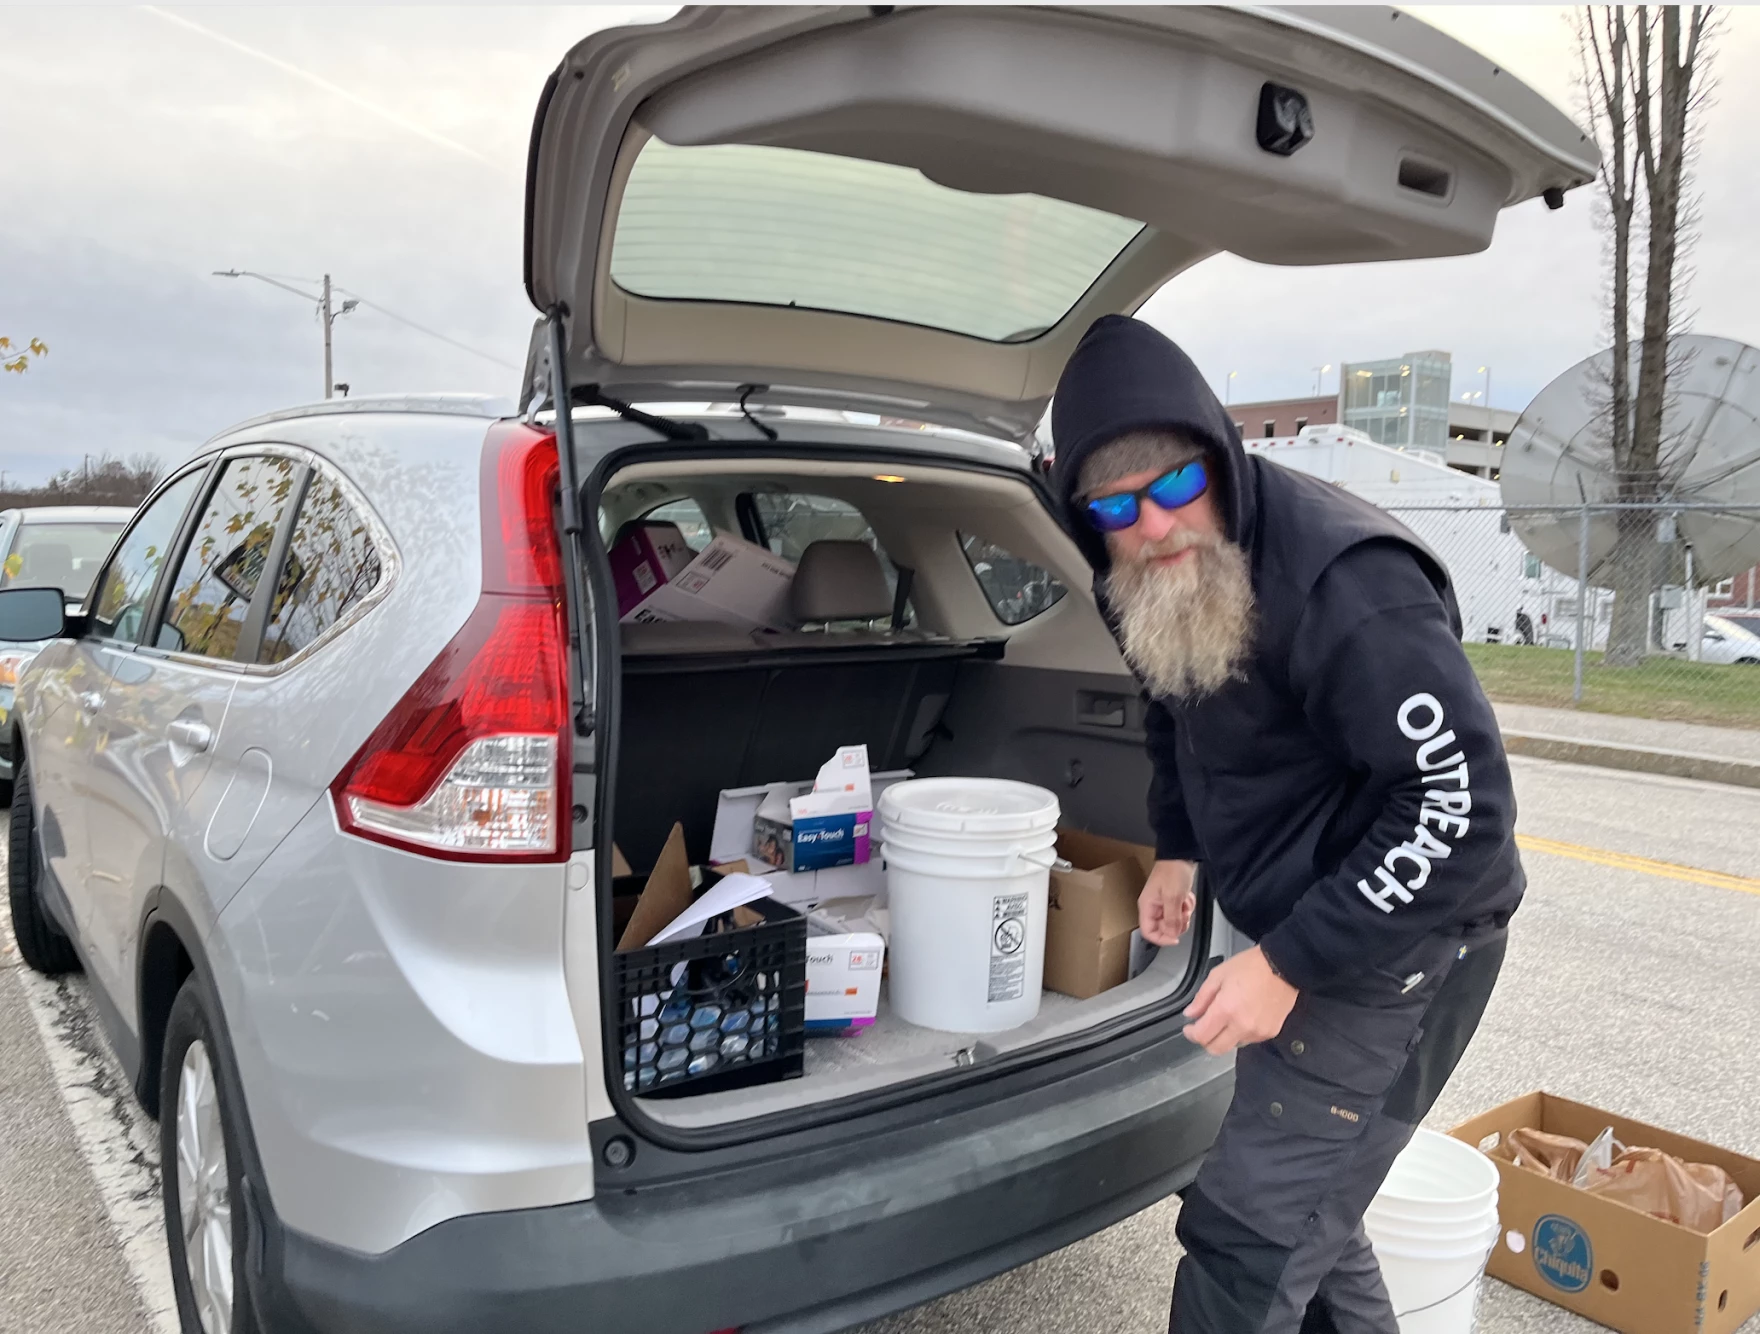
(825, 827)
(730, 581)
(736, 816)
(843, 980)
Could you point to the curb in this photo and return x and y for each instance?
(1643, 759)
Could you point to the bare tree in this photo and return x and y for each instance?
(1644, 77)
(102, 480)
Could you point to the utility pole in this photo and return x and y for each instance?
(326, 313)
(1486, 372)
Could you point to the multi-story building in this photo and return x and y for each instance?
(1403, 402)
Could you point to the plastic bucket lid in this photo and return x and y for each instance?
(968, 807)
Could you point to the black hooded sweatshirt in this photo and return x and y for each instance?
(1348, 797)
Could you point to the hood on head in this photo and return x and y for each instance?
(1127, 376)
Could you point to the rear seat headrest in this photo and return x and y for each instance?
(839, 580)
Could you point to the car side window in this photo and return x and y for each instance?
(332, 563)
(119, 607)
(1017, 590)
(224, 561)
(688, 516)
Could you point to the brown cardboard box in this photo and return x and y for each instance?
(1599, 1258)
(1093, 911)
(665, 896)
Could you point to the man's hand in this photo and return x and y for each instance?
(1241, 1002)
(1164, 908)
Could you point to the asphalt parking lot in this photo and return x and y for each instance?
(1632, 981)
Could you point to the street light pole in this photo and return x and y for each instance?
(327, 317)
(1486, 372)
(1319, 377)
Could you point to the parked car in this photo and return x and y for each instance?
(48, 547)
(1740, 618)
(1726, 640)
(322, 783)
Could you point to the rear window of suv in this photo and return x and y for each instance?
(782, 227)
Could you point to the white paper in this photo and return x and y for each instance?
(842, 787)
(730, 893)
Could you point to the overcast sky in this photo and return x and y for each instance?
(145, 148)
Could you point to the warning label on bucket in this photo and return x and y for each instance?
(1008, 947)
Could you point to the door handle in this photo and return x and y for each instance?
(190, 733)
(1099, 709)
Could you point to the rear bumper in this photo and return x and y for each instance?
(812, 1240)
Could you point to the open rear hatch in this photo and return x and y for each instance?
(916, 213)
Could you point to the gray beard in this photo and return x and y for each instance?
(1186, 628)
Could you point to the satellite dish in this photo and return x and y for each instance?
(1561, 455)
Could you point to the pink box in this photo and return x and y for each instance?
(647, 558)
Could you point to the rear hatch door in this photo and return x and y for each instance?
(917, 211)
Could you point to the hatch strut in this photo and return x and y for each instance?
(576, 553)
(590, 396)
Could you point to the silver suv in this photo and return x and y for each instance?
(321, 783)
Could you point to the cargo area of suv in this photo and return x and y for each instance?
(934, 626)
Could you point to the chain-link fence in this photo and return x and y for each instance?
(1665, 625)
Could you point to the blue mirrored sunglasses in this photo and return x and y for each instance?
(1171, 490)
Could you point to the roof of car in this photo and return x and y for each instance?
(489, 406)
(602, 430)
(74, 513)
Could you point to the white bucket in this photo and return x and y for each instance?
(968, 866)
(1433, 1226)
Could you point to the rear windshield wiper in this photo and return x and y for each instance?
(589, 396)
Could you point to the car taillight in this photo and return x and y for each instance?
(473, 763)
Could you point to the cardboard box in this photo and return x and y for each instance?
(843, 980)
(821, 828)
(1595, 1256)
(729, 581)
(737, 809)
(644, 559)
(1093, 913)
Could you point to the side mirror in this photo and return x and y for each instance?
(31, 614)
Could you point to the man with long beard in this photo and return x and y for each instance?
(1321, 746)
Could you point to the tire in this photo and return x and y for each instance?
(199, 1156)
(41, 943)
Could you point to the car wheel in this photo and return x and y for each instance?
(41, 943)
(1751, 662)
(200, 1174)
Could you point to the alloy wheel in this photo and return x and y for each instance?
(203, 1191)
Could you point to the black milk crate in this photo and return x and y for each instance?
(724, 1010)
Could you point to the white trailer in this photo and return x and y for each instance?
(1459, 515)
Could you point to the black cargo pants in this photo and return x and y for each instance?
(1273, 1225)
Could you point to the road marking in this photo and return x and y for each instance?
(118, 1141)
(1623, 861)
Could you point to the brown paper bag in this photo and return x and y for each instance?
(1699, 1196)
(1554, 1156)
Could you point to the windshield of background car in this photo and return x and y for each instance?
(784, 227)
(59, 555)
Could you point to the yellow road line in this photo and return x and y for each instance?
(1648, 866)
